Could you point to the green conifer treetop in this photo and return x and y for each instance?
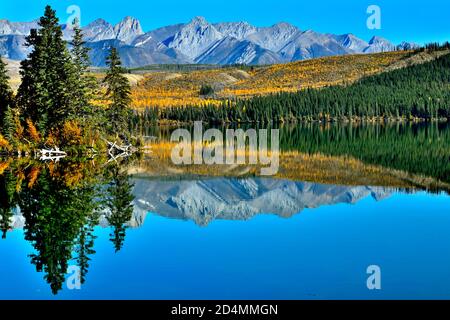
(6, 95)
(118, 91)
(86, 84)
(47, 93)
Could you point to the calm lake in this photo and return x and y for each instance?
(346, 197)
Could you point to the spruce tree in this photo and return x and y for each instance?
(84, 248)
(54, 215)
(8, 127)
(119, 201)
(46, 94)
(86, 84)
(7, 201)
(6, 95)
(118, 92)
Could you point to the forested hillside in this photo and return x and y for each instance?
(171, 88)
(415, 92)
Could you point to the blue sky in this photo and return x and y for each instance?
(411, 20)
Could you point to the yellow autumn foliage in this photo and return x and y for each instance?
(33, 175)
(32, 131)
(4, 166)
(165, 89)
(4, 144)
(72, 133)
(52, 138)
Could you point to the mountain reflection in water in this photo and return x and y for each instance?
(239, 199)
(72, 212)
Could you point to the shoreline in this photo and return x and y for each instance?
(305, 120)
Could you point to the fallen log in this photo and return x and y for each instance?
(52, 152)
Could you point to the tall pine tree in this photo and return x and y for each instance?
(118, 92)
(119, 201)
(85, 83)
(46, 94)
(6, 95)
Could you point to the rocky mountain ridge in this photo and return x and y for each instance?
(200, 41)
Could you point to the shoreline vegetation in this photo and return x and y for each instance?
(53, 111)
(305, 120)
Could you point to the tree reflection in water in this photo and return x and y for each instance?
(61, 204)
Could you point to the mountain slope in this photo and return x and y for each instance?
(195, 37)
(237, 30)
(274, 38)
(13, 47)
(131, 56)
(98, 30)
(378, 44)
(128, 29)
(232, 51)
(175, 88)
(17, 28)
(351, 42)
(310, 44)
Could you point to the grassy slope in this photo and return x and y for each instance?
(181, 88)
(174, 88)
(13, 72)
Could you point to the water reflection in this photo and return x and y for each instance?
(415, 148)
(61, 206)
(205, 200)
(59, 209)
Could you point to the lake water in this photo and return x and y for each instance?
(146, 233)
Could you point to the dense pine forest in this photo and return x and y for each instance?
(416, 92)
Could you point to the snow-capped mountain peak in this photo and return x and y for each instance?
(98, 30)
(17, 28)
(199, 20)
(239, 30)
(350, 41)
(200, 41)
(195, 37)
(128, 29)
(98, 23)
(379, 44)
(404, 45)
(274, 38)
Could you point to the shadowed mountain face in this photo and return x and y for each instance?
(203, 201)
(200, 41)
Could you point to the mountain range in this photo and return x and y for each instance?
(200, 42)
(205, 200)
